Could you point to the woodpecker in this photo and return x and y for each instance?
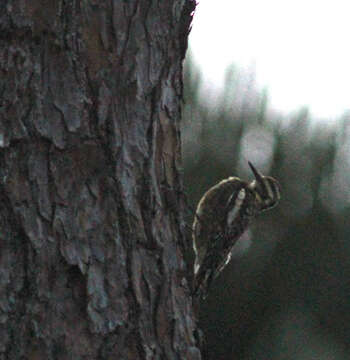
(223, 214)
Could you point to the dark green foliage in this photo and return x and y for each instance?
(288, 295)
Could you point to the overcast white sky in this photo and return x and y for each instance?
(300, 48)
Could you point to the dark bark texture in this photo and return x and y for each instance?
(91, 225)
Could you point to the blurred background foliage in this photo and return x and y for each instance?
(286, 293)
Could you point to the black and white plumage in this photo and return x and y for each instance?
(222, 215)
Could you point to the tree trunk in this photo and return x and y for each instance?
(91, 217)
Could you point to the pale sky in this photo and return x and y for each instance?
(300, 49)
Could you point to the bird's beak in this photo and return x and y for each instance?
(256, 173)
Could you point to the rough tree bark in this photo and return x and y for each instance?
(91, 226)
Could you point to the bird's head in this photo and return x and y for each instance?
(266, 188)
